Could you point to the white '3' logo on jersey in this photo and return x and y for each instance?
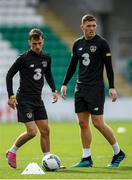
(86, 59)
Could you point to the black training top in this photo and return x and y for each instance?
(32, 68)
(92, 56)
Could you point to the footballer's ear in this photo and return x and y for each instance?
(81, 26)
(29, 42)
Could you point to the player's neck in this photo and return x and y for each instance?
(35, 52)
(88, 37)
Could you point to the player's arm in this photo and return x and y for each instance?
(9, 83)
(70, 72)
(51, 82)
(109, 70)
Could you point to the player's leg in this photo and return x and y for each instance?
(107, 132)
(86, 138)
(44, 135)
(22, 139)
(30, 132)
(25, 113)
(41, 120)
(26, 116)
(85, 132)
(83, 118)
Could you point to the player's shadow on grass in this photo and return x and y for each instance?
(87, 170)
(129, 168)
(96, 170)
(126, 168)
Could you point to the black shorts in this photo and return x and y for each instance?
(89, 99)
(30, 108)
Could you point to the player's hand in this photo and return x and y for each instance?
(55, 97)
(113, 94)
(63, 91)
(12, 102)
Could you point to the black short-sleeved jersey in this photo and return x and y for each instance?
(32, 68)
(92, 56)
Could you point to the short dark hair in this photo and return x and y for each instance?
(35, 34)
(88, 17)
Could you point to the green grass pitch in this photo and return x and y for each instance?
(65, 142)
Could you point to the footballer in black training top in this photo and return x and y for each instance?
(32, 66)
(93, 54)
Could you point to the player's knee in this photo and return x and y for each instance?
(32, 133)
(83, 124)
(97, 124)
(45, 131)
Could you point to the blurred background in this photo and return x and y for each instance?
(60, 21)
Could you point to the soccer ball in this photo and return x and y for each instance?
(51, 162)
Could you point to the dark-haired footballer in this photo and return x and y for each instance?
(32, 66)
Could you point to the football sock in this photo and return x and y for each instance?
(116, 148)
(46, 153)
(86, 152)
(13, 149)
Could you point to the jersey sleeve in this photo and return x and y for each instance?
(72, 66)
(49, 76)
(10, 74)
(107, 58)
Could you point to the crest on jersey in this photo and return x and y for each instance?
(93, 48)
(44, 63)
(29, 115)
